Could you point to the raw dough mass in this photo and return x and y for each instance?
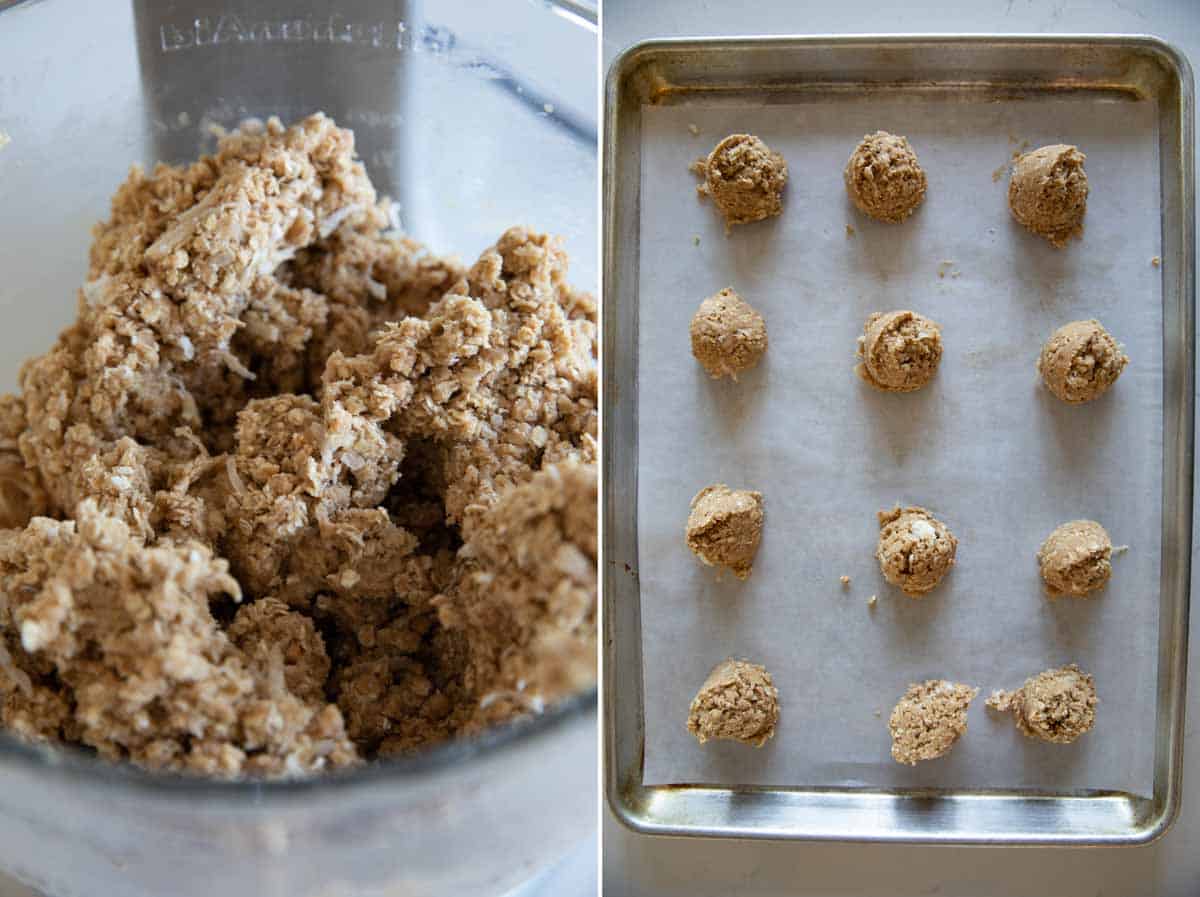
(728, 336)
(1080, 361)
(744, 177)
(1048, 192)
(899, 351)
(1056, 705)
(1075, 558)
(737, 702)
(929, 719)
(884, 178)
(291, 492)
(725, 527)
(915, 549)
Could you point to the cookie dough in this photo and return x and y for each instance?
(728, 335)
(737, 702)
(899, 351)
(1048, 192)
(915, 549)
(292, 492)
(1056, 705)
(1075, 559)
(884, 178)
(1081, 361)
(745, 178)
(725, 527)
(929, 719)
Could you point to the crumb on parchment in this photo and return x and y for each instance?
(292, 492)
(845, 580)
(1156, 261)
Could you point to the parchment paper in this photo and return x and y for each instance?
(986, 448)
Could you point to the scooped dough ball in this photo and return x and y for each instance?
(884, 178)
(929, 719)
(1081, 361)
(725, 527)
(1075, 558)
(728, 336)
(899, 351)
(915, 549)
(1048, 192)
(1056, 706)
(737, 702)
(745, 178)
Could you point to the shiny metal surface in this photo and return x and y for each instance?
(1003, 68)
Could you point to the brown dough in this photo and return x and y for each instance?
(915, 549)
(1056, 705)
(745, 178)
(725, 527)
(884, 178)
(1048, 192)
(899, 351)
(266, 396)
(728, 336)
(1081, 361)
(929, 719)
(1075, 558)
(737, 702)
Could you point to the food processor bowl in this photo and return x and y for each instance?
(472, 117)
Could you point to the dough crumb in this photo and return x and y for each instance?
(1081, 361)
(729, 336)
(724, 528)
(695, 131)
(1048, 192)
(1156, 261)
(1055, 705)
(899, 351)
(929, 719)
(845, 580)
(1074, 559)
(884, 178)
(850, 230)
(915, 549)
(737, 702)
(696, 240)
(872, 601)
(745, 179)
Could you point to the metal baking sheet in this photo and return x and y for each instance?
(993, 455)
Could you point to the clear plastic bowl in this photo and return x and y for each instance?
(473, 117)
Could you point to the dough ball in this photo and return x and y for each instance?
(1081, 361)
(899, 351)
(728, 336)
(745, 178)
(725, 527)
(737, 702)
(1048, 192)
(915, 549)
(1056, 706)
(929, 719)
(884, 178)
(1075, 558)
